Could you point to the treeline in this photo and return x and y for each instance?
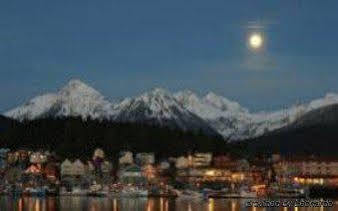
(318, 140)
(75, 138)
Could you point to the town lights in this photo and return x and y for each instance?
(210, 173)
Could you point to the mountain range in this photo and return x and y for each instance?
(211, 114)
(314, 133)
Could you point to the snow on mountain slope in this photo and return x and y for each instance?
(184, 110)
(235, 122)
(75, 99)
(159, 107)
(34, 108)
(227, 117)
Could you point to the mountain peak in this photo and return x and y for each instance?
(223, 103)
(74, 99)
(187, 97)
(76, 82)
(76, 87)
(159, 91)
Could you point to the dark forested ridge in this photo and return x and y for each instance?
(315, 133)
(6, 123)
(73, 137)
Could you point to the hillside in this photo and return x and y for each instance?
(6, 122)
(314, 133)
(74, 137)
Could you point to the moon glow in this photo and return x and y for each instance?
(255, 41)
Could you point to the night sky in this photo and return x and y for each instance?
(124, 48)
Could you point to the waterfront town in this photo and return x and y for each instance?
(195, 175)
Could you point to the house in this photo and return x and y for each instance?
(149, 172)
(66, 168)
(224, 161)
(23, 158)
(33, 169)
(145, 158)
(200, 159)
(182, 162)
(79, 168)
(38, 158)
(126, 158)
(3, 157)
(196, 160)
(202, 175)
(51, 172)
(131, 175)
(107, 169)
(98, 153)
(33, 175)
(164, 165)
(307, 170)
(11, 158)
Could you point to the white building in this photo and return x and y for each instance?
(66, 168)
(98, 153)
(126, 158)
(194, 161)
(38, 157)
(79, 168)
(106, 167)
(200, 159)
(182, 162)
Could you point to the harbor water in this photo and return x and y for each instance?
(72, 203)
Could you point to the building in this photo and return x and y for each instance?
(182, 162)
(51, 172)
(3, 157)
(107, 169)
(126, 158)
(202, 175)
(145, 158)
(131, 175)
(196, 160)
(149, 172)
(78, 168)
(66, 168)
(307, 171)
(38, 158)
(200, 160)
(98, 153)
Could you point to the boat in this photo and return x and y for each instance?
(134, 191)
(38, 191)
(167, 193)
(64, 192)
(96, 190)
(15, 190)
(190, 195)
(246, 192)
(243, 192)
(79, 192)
(51, 191)
(290, 192)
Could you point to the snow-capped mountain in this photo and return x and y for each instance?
(235, 122)
(159, 107)
(75, 99)
(227, 117)
(184, 110)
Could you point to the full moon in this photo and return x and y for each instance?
(255, 41)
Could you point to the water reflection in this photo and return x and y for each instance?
(121, 204)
